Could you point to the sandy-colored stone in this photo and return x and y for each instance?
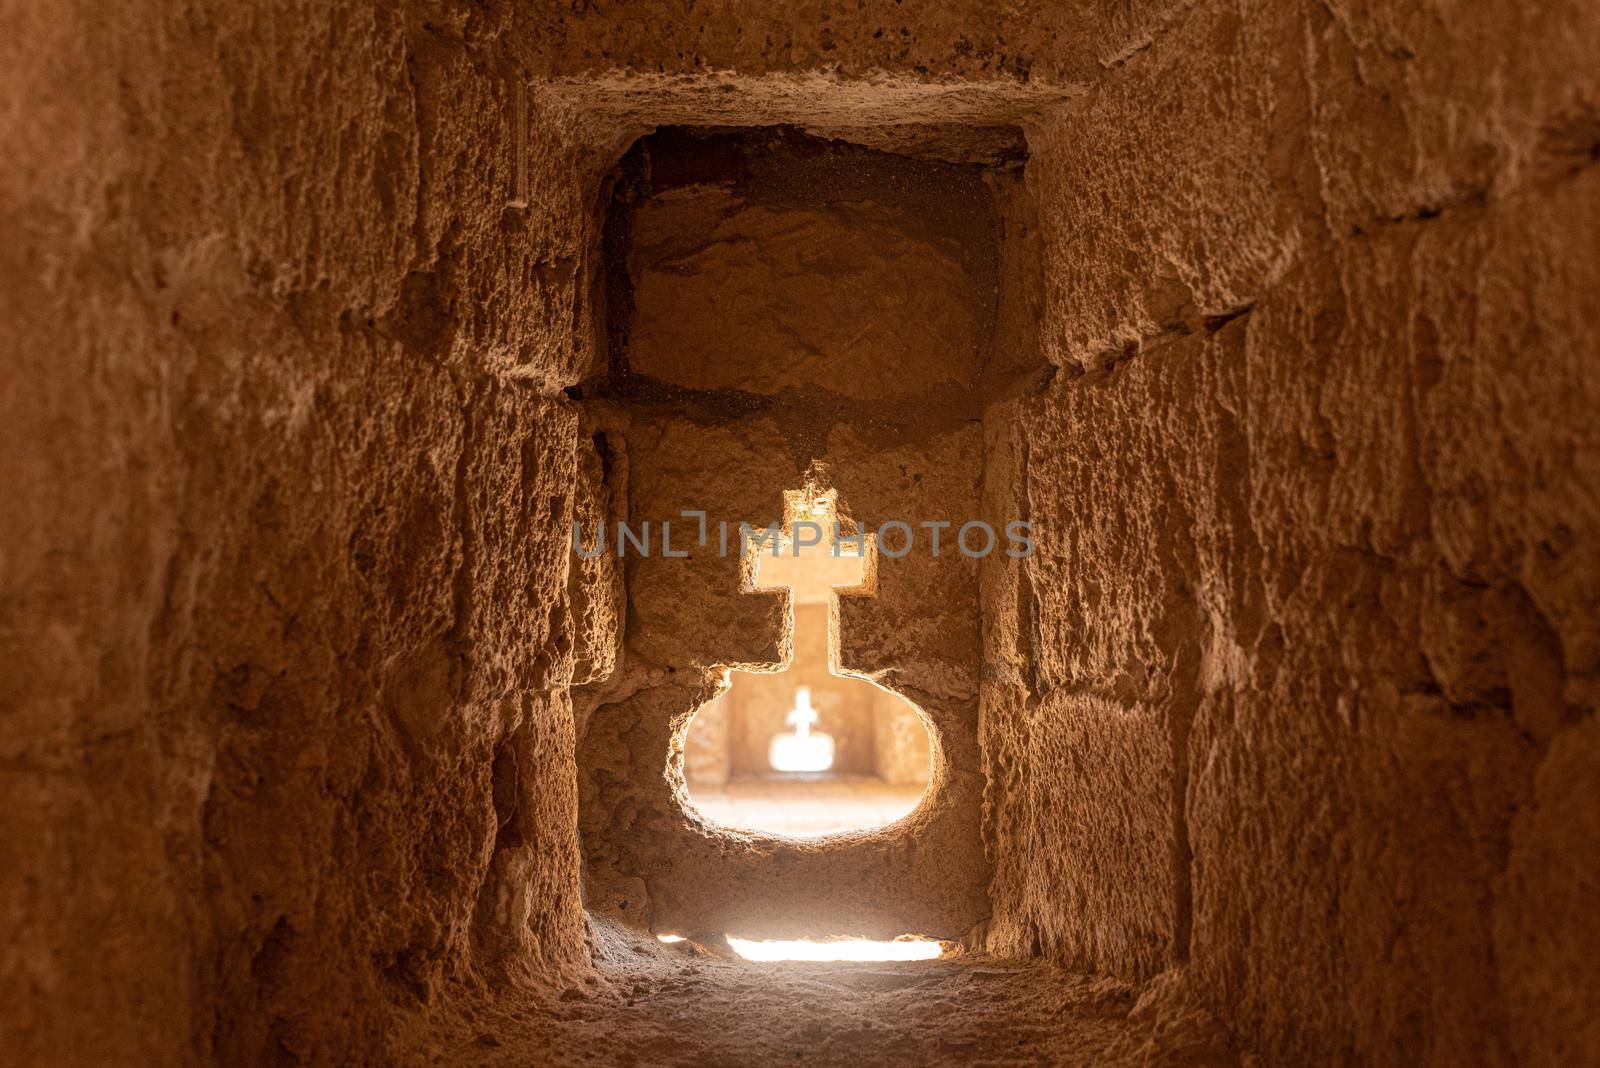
(739, 286)
(1276, 320)
(284, 560)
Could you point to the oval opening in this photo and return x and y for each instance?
(806, 751)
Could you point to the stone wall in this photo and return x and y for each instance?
(284, 733)
(1293, 695)
(902, 752)
(1289, 359)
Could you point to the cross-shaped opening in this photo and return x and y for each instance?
(808, 750)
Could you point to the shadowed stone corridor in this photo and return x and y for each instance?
(480, 476)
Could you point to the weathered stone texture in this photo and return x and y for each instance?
(1044, 41)
(1309, 491)
(598, 601)
(849, 297)
(1283, 338)
(284, 705)
(695, 610)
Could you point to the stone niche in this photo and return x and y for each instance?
(791, 313)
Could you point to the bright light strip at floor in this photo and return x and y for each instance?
(842, 949)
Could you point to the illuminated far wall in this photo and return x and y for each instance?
(759, 705)
(875, 733)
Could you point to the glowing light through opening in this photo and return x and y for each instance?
(800, 750)
(842, 949)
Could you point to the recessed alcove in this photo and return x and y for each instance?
(784, 310)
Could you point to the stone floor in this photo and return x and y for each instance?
(805, 808)
(650, 1004)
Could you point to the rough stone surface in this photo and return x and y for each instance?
(658, 1005)
(1282, 337)
(785, 275)
(1309, 637)
(284, 741)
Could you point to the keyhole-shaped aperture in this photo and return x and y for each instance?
(808, 750)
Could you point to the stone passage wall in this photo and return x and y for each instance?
(902, 750)
(1299, 690)
(1296, 699)
(284, 733)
